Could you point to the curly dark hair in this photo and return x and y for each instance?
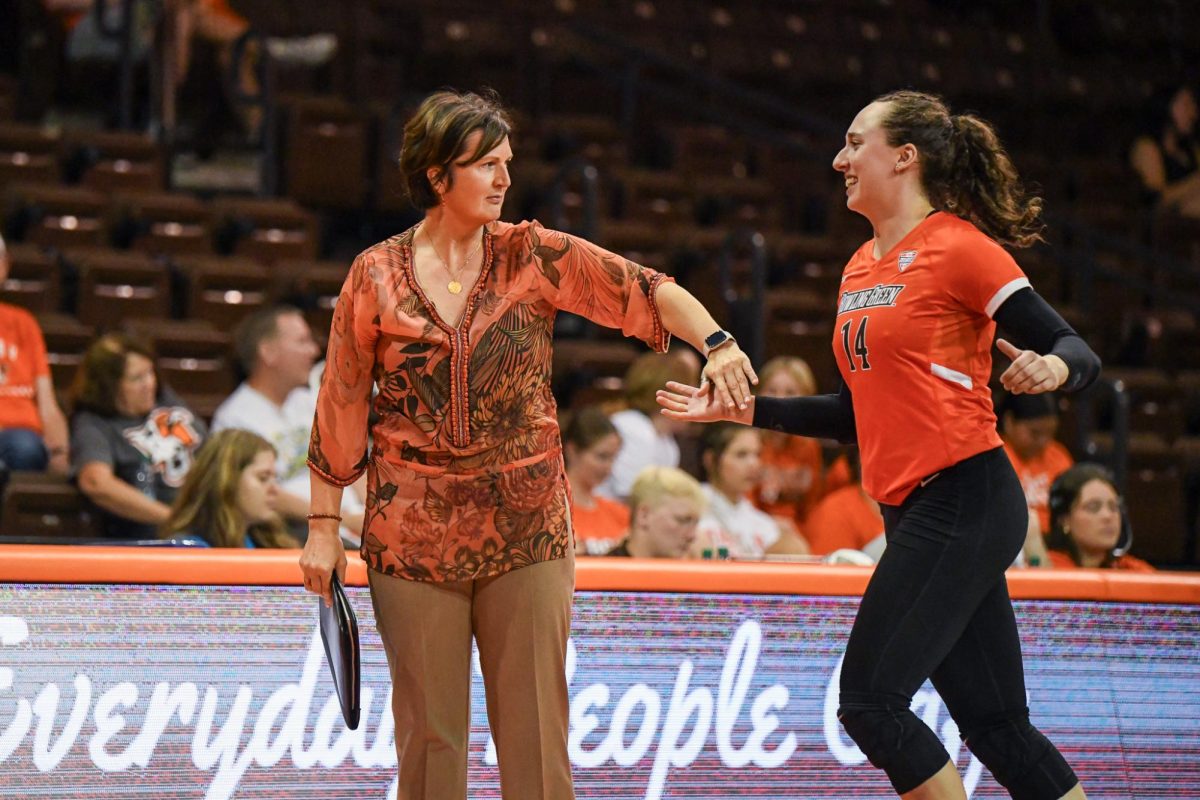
(965, 170)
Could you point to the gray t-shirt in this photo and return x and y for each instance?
(151, 453)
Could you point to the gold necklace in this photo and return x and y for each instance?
(454, 286)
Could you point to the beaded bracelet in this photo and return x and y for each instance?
(325, 516)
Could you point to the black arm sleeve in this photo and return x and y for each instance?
(822, 416)
(1033, 325)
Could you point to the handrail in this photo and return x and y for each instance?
(122, 31)
(1118, 457)
(264, 99)
(588, 173)
(746, 312)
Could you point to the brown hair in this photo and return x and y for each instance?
(716, 440)
(587, 426)
(206, 505)
(254, 330)
(649, 372)
(1064, 494)
(794, 366)
(95, 386)
(964, 168)
(436, 135)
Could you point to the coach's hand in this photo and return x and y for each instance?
(323, 553)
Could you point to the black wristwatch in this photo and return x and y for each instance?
(715, 340)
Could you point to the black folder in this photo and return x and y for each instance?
(339, 632)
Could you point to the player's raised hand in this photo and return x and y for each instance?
(1029, 372)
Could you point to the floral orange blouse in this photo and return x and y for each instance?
(464, 475)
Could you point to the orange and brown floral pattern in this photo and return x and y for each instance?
(465, 475)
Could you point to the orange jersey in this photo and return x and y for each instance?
(601, 527)
(913, 342)
(1036, 476)
(22, 362)
(843, 518)
(794, 463)
(1061, 560)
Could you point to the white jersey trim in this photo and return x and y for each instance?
(954, 376)
(1003, 293)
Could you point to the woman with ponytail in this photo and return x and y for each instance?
(917, 313)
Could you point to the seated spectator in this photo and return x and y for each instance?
(792, 465)
(133, 441)
(228, 499)
(1167, 156)
(847, 518)
(276, 350)
(665, 505)
(1028, 424)
(647, 437)
(730, 455)
(33, 430)
(1089, 526)
(590, 443)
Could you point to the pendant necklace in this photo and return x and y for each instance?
(453, 286)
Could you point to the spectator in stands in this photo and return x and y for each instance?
(1090, 526)
(731, 458)
(133, 441)
(276, 350)
(846, 518)
(647, 437)
(468, 529)
(665, 506)
(33, 430)
(228, 499)
(1028, 424)
(590, 443)
(1167, 156)
(792, 466)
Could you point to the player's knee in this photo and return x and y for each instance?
(876, 730)
(1020, 758)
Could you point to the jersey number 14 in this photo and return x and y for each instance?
(860, 344)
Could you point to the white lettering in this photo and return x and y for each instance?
(683, 704)
(45, 757)
(740, 663)
(164, 704)
(109, 724)
(638, 694)
(13, 631)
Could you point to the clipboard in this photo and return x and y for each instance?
(339, 632)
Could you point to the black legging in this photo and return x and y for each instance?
(937, 607)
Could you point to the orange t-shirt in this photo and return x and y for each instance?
(843, 518)
(601, 527)
(1061, 560)
(913, 342)
(22, 362)
(1037, 475)
(797, 455)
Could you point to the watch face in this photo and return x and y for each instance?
(715, 339)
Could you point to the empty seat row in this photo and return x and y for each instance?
(160, 223)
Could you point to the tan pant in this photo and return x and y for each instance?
(521, 621)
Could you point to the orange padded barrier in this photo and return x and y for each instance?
(66, 564)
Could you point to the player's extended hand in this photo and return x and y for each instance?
(323, 553)
(730, 374)
(1030, 373)
(699, 404)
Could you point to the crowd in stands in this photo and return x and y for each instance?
(132, 435)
